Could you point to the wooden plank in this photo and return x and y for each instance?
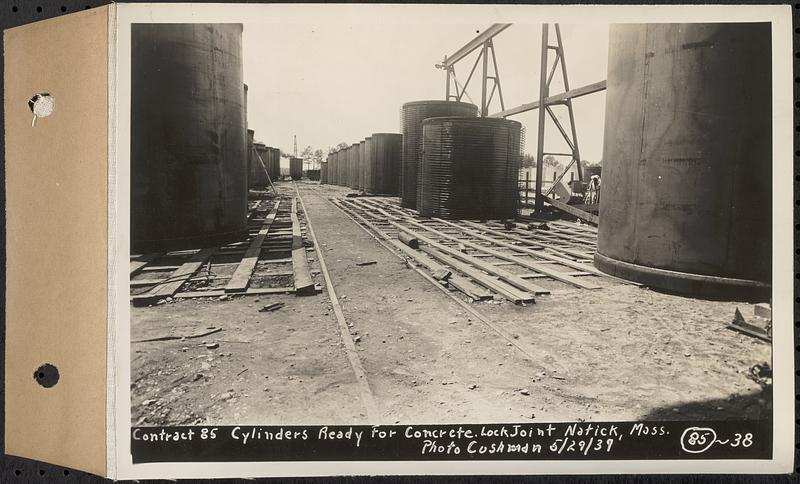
(460, 283)
(536, 253)
(506, 290)
(220, 292)
(588, 217)
(138, 262)
(560, 276)
(538, 267)
(241, 276)
(177, 278)
(303, 283)
(516, 291)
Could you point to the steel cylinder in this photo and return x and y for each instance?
(296, 168)
(685, 198)
(342, 169)
(469, 168)
(188, 138)
(355, 165)
(362, 165)
(250, 153)
(385, 154)
(323, 172)
(275, 163)
(259, 166)
(413, 114)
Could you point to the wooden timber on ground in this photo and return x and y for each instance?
(303, 283)
(241, 277)
(588, 217)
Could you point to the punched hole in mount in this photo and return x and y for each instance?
(46, 375)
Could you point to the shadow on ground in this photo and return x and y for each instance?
(748, 406)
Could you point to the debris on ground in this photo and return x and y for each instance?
(271, 307)
(212, 346)
(761, 374)
(367, 263)
(757, 326)
(206, 332)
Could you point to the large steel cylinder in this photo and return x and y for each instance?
(259, 166)
(249, 152)
(323, 171)
(385, 153)
(414, 113)
(342, 176)
(188, 139)
(275, 163)
(296, 168)
(469, 168)
(362, 165)
(685, 200)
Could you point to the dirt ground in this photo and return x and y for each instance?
(618, 353)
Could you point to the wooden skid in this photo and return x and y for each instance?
(303, 283)
(438, 271)
(241, 277)
(177, 278)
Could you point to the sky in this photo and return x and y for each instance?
(336, 82)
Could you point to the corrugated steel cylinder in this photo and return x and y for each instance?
(385, 157)
(296, 168)
(414, 113)
(685, 199)
(469, 168)
(362, 165)
(258, 164)
(355, 165)
(188, 136)
(323, 172)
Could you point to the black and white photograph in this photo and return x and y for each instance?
(373, 226)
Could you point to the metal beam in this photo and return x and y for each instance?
(473, 44)
(571, 94)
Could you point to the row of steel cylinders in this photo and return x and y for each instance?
(371, 166)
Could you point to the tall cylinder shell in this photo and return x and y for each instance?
(275, 163)
(188, 139)
(296, 168)
(385, 157)
(355, 165)
(342, 168)
(685, 200)
(414, 113)
(249, 149)
(469, 168)
(259, 162)
(362, 165)
(323, 172)
(368, 166)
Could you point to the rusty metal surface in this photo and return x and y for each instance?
(686, 187)
(188, 138)
(385, 153)
(469, 168)
(413, 114)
